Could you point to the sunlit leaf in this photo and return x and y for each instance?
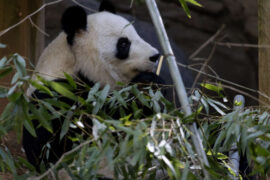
(63, 90)
(70, 80)
(212, 87)
(194, 3)
(185, 7)
(41, 87)
(238, 103)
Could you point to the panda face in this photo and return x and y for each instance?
(110, 50)
(102, 47)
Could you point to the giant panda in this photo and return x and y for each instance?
(102, 47)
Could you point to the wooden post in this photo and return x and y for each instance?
(24, 39)
(264, 53)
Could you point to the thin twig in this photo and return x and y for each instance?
(230, 44)
(218, 78)
(199, 59)
(203, 66)
(131, 4)
(83, 6)
(209, 67)
(27, 17)
(38, 28)
(210, 40)
(244, 93)
(61, 159)
(231, 83)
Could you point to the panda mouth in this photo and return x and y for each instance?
(141, 71)
(152, 68)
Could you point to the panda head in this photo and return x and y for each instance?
(106, 47)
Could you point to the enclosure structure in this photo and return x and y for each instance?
(23, 38)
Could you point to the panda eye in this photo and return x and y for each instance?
(123, 44)
(123, 47)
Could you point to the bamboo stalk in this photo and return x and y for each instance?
(177, 79)
(234, 157)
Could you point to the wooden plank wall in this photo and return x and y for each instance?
(24, 39)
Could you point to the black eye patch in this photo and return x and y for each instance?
(122, 48)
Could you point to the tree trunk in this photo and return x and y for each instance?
(264, 53)
(24, 39)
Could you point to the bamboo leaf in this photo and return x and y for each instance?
(26, 163)
(63, 90)
(3, 62)
(3, 93)
(101, 99)
(212, 87)
(194, 3)
(92, 92)
(70, 80)
(20, 65)
(8, 160)
(140, 96)
(185, 7)
(41, 87)
(29, 127)
(169, 164)
(12, 90)
(217, 103)
(120, 98)
(217, 108)
(42, 116)
(66, 124)
(4, 72)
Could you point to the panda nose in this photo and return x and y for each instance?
(154, 58)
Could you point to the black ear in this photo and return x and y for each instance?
(73, 20)
(107, 5)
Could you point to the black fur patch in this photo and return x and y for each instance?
(123, 47)
(73, 19)
(107, 5)
(85, 79)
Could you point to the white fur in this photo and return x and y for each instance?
(93, 52)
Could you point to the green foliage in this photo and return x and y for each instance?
(137, 145)
(185, 6)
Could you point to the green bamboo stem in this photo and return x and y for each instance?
(177, 79)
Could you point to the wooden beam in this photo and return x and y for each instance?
(24, 39)
(264, 53)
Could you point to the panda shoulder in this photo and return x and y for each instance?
(56, 59)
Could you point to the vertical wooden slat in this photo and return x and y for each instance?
(264, 53)
(24, 39)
